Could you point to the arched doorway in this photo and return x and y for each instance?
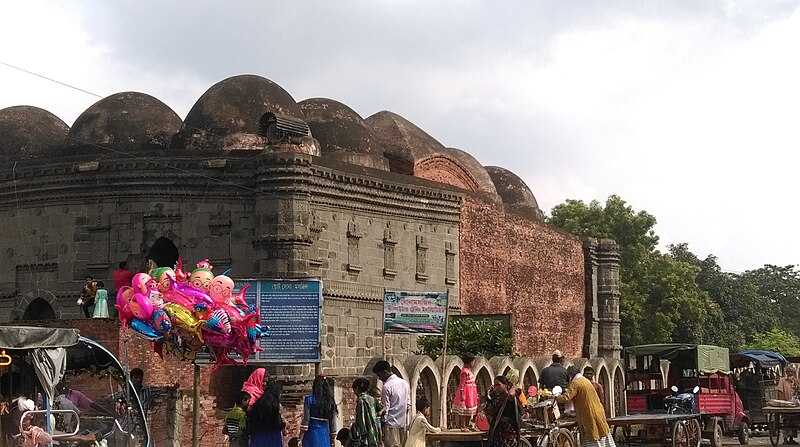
(452, 389)
(619, 392)
(164, 253)
(605, 381)
(427, 387)
(39, 309)
(484, 381)
(528, 379)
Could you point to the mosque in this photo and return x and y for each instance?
(270, 187)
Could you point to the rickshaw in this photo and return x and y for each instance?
(717, 408)
(757, 382)
(35, 365)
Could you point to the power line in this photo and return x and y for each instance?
(50, 79)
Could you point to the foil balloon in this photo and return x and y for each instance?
(180, 274)
(216, 320)
(144, 330)
(161, 321)
(194, 294)
(221, 289)
(140, 306)
(164, 276)
(201, 278)
(143, 283)
(238, 298)
(184, 321)
(123, 295)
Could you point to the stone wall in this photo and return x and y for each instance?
(510, 264)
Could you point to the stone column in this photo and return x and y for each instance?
(591, 333)
(608, 299)
(283, 240)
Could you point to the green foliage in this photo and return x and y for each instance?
(778, 341)
(466, 335)
(659, 297)
(678, 297)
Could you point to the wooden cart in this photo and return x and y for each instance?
(561, 435)
(676, 430)
(781, 418)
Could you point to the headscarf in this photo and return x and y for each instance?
(254, 385)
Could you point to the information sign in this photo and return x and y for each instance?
(414, 312)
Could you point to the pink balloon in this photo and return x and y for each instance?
(141, 307)
(125, 315)
(143, 283)
(196, 295)
(172, 296)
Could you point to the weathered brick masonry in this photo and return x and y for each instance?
(514, 265)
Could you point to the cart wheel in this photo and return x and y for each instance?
(694, 433)
(562, 438)
(716, 435)
(523, 442)
(680, 436)
(774, 428)
(743, 433)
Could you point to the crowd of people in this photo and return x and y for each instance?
(382, 416)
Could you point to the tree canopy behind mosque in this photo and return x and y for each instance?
(678, 297)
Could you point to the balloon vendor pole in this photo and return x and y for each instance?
(443, 411)
(196, 407)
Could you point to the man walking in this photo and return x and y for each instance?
(396, 401)
(589, 411)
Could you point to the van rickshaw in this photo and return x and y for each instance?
(757, 384)
(715, 407)
(41, 365)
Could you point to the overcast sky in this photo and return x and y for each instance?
(689, 110)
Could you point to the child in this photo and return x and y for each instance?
(236, 421)
(465, 404)
(343, 436)
(419, 425)
(376, 393)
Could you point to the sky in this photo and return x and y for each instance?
(689, 110)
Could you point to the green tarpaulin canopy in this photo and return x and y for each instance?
(707, 359)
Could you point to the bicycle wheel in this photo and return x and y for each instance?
(680, 436)
(523, 442)
(774, 428)
(694, 433)
(561, 438)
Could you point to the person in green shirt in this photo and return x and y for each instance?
(236, 422)
(366, 430)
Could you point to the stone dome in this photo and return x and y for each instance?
(514, 192)
(227, 115)
(30, 132)
(403, 142)
(342, 133)
(126, 118)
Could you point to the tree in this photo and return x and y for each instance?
(659, 298)
(467, 335)
(778, 341)
(779, 288)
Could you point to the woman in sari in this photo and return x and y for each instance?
(505, 414)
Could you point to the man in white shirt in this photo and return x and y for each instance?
(396, 401)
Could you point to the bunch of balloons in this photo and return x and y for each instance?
(188, 312)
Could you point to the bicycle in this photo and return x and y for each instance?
(551, 433)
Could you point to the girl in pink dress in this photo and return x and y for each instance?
(465, 404)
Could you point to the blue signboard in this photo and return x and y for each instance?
(293, 311)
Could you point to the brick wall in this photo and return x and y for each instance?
(510, 264)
